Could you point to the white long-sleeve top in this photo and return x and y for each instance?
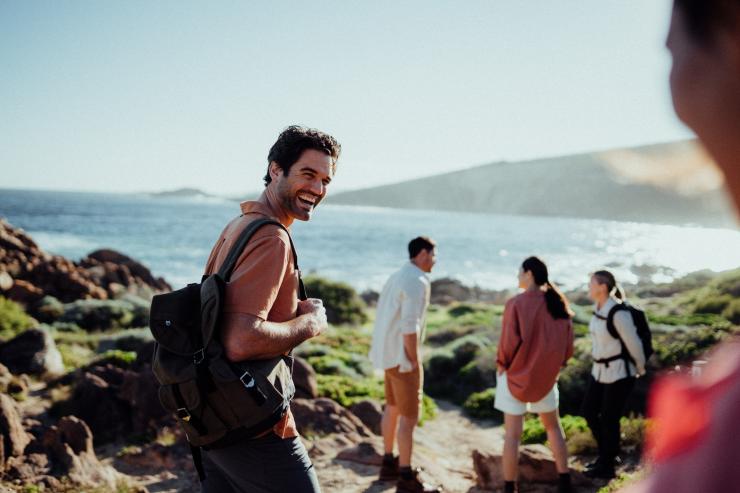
(606, 346)
(401, 310)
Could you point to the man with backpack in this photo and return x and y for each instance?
(261, 316)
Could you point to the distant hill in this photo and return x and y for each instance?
(672, 183)
(182, 193)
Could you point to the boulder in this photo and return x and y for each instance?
(304, 378)
(370, 413)
(33, 352)
(99, 314)
(6, 281)
(366, 452)
(24, 292)
(15, 438)
(94, 399)
(323, 416)
(69, 445)
(536, 465)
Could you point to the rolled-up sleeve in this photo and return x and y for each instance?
(628, 332)
(510, 335)
(413, 299)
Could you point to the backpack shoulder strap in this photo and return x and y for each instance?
(610, 320)
(236, 250)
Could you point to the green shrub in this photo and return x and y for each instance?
(74, 355)
(633, 430)
(346, 390)
(343, 305)
(116, 357)
(732, 311)
(47, 309)
(461, 309)
(99, 314)
(13, 319)
(480, 405)
(428, 409)
(682, 346)
(713, 304)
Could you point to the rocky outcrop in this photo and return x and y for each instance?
(27, 273)
(64, 450)
(536, 465)
(33, 352)
(323, 416)
(446, 291)
(14, 437)
(370, 413)
(114, 401)
(304, 378)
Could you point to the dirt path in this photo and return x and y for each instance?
(442, 447)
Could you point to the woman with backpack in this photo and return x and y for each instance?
(536, 341)
(613, 372)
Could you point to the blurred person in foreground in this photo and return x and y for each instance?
(693, 444)
(536, 341)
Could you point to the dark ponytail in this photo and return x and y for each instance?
(613, 288)
(557, 303)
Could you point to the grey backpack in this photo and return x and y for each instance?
(216, 401)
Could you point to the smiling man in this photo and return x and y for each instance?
(262, 316)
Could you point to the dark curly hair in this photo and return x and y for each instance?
(295, 139)
(420, 243)
(704, 17)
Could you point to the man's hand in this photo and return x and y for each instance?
(314, 309)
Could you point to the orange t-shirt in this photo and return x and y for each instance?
(264, 282)
(533, 346)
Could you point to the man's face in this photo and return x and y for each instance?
(427, 259)
(304, 187)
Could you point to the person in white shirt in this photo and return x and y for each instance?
(612, 377)
(395, 349)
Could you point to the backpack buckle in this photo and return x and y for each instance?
(183, 414)
(199, 356)
(249, 384)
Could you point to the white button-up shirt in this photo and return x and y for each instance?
(401, 310)
(605, 346)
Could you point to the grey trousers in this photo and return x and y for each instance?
(268, 464)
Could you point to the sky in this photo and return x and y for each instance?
(142, 96)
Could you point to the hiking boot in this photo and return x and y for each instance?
(415, 485)
(389, 470)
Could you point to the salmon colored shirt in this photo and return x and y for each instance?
(264, 282)
(533, 346)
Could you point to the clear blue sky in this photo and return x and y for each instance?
(132, 95)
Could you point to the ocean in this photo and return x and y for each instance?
(363, 245)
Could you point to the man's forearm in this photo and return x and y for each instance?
(249, 337)
(411, 347)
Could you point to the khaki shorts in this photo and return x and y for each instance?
(507, 403)
(403, 390)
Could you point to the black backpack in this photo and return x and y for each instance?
(216, 401)
(643, 332)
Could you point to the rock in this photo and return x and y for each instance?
(99, 314)
(35, 273)
(29, 467)
(370, 297)
(370, 413)
(69, 445)
(323, 416)
(6, 281)
(365, 452)
(33, 352)
(140, 390)
(15, 438)
(111, 267)
(447, 290)
(95, 401)
(536, 465)
(24, 292)
(304, 378)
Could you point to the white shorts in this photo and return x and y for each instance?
(507, 403)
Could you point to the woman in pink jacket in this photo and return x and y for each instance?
(536, 341)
